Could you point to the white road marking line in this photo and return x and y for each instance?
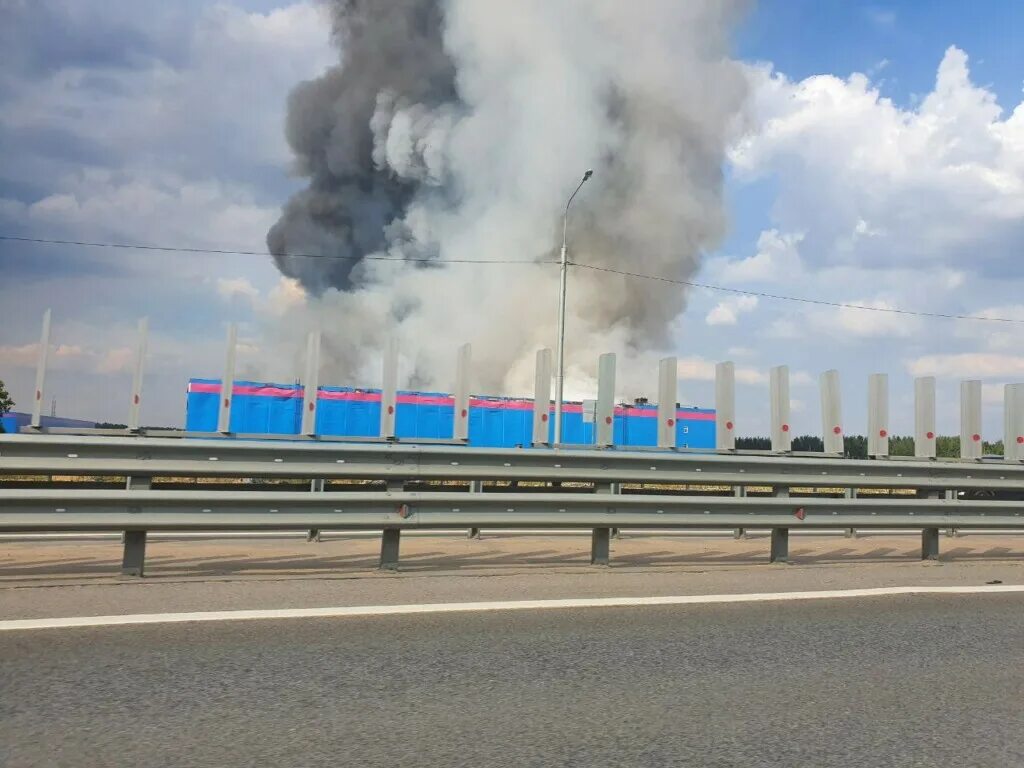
(512, 605)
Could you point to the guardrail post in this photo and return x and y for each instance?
(668, 392)
(391, 537)
(782, 438)
(316, 485)
(41, 358)
(850, 493)
(389, 544)
(725, 406)
(780, 536)
(600, 546)
(227, 383)
(140, 364)
(930, 544)
(739, 491)
(878, 414)
(924, 417)
(134, 556)
(1013, 422)
(542, 398)
(460, 414)
(831, 413)
(600, 538)
(780, 545)
(970, 419)
(475, 486)
(605, 418)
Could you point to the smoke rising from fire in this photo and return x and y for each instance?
(456, 131)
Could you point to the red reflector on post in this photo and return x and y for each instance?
(799, 514)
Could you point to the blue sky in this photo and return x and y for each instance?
(882, 164)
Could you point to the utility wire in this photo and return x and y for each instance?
(426, 260)
(803, 300)
(226, 252)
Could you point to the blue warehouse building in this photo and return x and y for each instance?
(265, 408)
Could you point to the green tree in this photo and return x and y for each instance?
(6, 402)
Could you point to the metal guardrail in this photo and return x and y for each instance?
(661, 475)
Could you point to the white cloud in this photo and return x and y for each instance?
(777, 260)
(174, 136)
(917, 207)
(882, 322)
(702, 369)
(871, 183)
(728, 310)
(231, 287)
(968, 365)
(27, 355)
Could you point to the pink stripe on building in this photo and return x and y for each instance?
(438, 400)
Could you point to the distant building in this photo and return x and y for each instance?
(13, 422)
(263, 408)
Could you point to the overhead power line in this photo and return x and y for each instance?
(800, 299)
(594, 267)
(227, 252)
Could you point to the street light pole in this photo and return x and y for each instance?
(560, 375)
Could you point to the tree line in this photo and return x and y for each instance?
(856, 446)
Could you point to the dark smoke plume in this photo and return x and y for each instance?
(390, 49)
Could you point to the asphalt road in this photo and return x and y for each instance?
(900, 681)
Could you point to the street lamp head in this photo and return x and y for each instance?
(588, 174)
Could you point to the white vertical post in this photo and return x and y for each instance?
(460, 425)
(878, 414)
(782, 438)
(1013, 422)
(605, 416)
(831, 412)
(924, 417)
(311, 383)
(668, 390)
(41, 359)
(140, 363)
(389, 390)
(227, 382)
(970, 419)
(725, 406)
(542, 397)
